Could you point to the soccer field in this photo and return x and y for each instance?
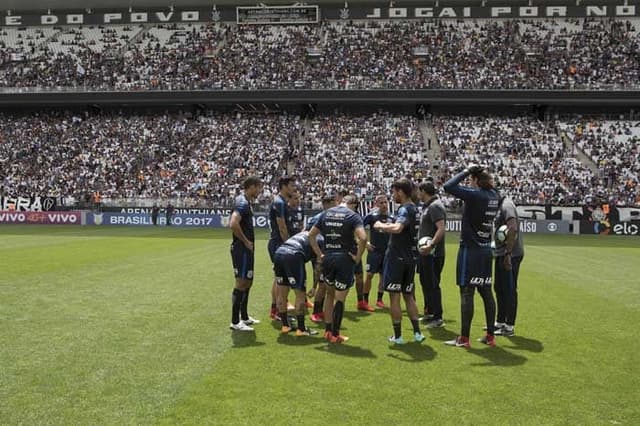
(130, 325)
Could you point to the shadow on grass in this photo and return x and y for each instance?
(244, 339)
(356, 316)
(441, 334)
(346, 350)
(292, 340)
(412, 352)
(497, 357)
(523, 343)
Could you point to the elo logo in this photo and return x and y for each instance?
(626, 228)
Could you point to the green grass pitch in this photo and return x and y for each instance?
(130, 325)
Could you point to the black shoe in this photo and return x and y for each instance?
(506, 331)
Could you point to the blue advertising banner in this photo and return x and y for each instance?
(179, 220)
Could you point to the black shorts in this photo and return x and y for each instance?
(398, 275)
(358, 268)
(474, 266)
(289, 269)
(272, 246)
(242, 260)
(338, 271)
(375, 262)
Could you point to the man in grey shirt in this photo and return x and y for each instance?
(509, 254)
(431, 262)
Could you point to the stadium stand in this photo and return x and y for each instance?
(592, 53)
(198, 160)
(614, 146)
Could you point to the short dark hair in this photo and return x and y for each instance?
(427, 187)
(250, 181)
(285, 180)
(485, 181)
(328, 200)
(404, 185)
(328, 197)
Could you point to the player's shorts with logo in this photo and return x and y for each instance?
(375, 262)
(398, 274)
(474, 266)
(242, 260)
(289, 269)
(338, 271)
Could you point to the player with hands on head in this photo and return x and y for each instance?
(474, 263)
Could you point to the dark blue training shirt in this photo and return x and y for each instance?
(479, 210)
(404, 245)
(299, 244)
(312, 221)
(242, 206)
(379, 240)
(296, 218)
(337, 226)
(278, 209)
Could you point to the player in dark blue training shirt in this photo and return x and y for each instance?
(338, 226)
(279, 222)
(400, 260)
(474, 256)
(296, 214)
(289, 267)
(242, 253)
(376, 247)
(319, 289)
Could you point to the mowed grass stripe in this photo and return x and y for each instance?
(115, 339)
(143, 338)
(538, 377)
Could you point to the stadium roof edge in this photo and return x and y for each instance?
(41, 6)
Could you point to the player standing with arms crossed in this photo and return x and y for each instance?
(400, 260)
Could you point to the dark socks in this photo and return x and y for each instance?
(284, 318)
(300, 319)
(397, 329)
(236, 300)
(416, 326)
(338, 310)
(243, 305)
(467, 310)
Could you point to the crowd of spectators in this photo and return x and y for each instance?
(199, 160)
(614, 147)
(194, 159)
(364, 153)
(529, 161)
(592, 53)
